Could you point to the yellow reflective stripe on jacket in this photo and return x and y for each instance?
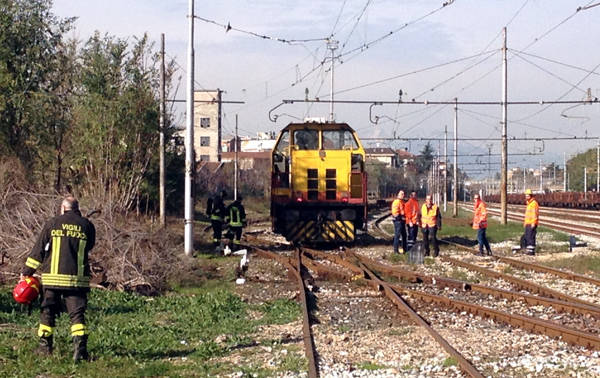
(78, 329)
(429, 216)
(55, 255)
(45, 331)
(81, 258)
(532, 213)
(234, 217)
(32, 263)
(216, 217)
(64, 280)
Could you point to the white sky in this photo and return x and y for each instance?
(261, 71)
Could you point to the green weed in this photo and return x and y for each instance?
(450, 361)
(587, 265)
(369, 366)
(130, 335)
(279, 311)
(293, 362)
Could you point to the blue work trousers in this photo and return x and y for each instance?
(482, 239)
(399, 231)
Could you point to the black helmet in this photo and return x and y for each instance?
(240, 198)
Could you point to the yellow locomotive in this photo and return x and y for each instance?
(318, 183)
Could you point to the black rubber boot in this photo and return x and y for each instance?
(45, 347)
(80, 348)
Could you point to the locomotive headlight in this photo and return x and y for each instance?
(344, 196)
(299, 197)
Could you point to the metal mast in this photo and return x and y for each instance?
(332, 45)
(235, 175)
(455, 191)
(189, 140)
(504, 163)
(161, 140)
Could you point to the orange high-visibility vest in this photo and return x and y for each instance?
(397, 207)
(411, 210)
(429, 216)
(480, 215)
(532, 213)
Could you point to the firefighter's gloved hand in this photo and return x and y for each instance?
(244, 224)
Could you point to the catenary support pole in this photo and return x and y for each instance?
(189, 140)
(584, 182)
(235, 174)
(455, 170)
(541, 177)
(564, 171)
(161, 138)
(445, 167)
(504, 163)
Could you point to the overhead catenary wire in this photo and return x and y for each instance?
(425, 69)
(369, 44)
(228, 28)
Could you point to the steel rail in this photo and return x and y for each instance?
(569, 335)
(520, 283)
(569, 228)
(546, 269)
(309, 346)
(535, 267)
(550, 329)
(466, 366)
(309, 343)
(558, 305)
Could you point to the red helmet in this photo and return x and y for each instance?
(26, 290)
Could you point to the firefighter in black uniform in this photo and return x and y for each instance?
(216, 211)
(236, 216)
(61, 253)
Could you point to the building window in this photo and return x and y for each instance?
(204, 122)
(204, 158)
(204, 141)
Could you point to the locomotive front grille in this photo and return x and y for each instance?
(330, 184)
(312, 184)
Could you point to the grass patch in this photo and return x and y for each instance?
(172, 335)
(587, 265)
(370, 366)
(461, 275)
(293, 362)
(450, 361)
(279, 311)
(397, 258)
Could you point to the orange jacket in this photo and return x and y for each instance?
(397, 208)
(532, 213)
(430, 217)
(480, 215)
(411, 210)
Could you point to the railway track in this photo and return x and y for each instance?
(352, 267)
(416, 294)
(549, 219)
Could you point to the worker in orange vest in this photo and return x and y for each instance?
(411, 212)
(431, 222)
(480, 224)
(399, 222)
(532, 215)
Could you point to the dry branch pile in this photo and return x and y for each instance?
(130, 254)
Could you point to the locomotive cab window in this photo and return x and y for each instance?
(339, 140)
(306, 139)
(281, 162)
